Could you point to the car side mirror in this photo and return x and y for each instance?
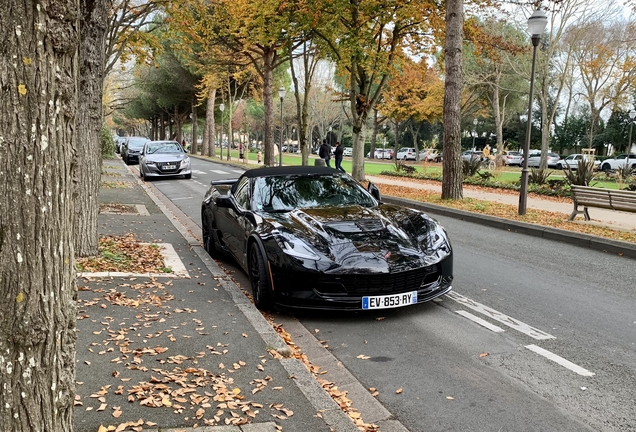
(225, 201)
(374, 191)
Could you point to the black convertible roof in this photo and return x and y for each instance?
(288, 170)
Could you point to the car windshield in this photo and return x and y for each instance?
(137, 143)
(286, 193)
(171, 147)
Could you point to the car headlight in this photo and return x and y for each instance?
(437, 241)
(185, 163)
(149, 162)
(293, 246)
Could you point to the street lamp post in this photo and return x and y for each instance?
(474, 132)
(281, 95)
(536, 25)
(632, 115)
(222, 108)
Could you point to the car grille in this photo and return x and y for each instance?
(163, 166)
(377, 284)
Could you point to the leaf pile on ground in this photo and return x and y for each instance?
(124, 254)
(152, 374)
(339, 396)
(117, 208)
(507, 211)
(115, 185)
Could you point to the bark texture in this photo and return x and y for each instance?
(86, 165)
(452, 172)
(38, 89)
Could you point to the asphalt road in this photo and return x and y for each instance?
(536, 335)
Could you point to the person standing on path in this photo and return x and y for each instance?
(325, 152)
(338, 155)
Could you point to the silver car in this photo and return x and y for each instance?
(164, 158)
(573, 161)
(534, 160)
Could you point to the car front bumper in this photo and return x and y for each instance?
(295, 289)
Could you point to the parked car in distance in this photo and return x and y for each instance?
(619, 161)
(573, 161)
(119, 141)
(164, 158)
(313, 237)
(347, 151)
(406, 153)
(131, 149)
(512, 158)
(382, 154)
(534, 160)
(430, 155)
(471, 154)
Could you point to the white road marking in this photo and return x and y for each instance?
(498, 316)
(181, 198)
(238, 171)
(560, 360)
(219, 171)
(480, 321)
(197, 172)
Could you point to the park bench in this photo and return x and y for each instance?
(601, 198)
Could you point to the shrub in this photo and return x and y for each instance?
(108, 144)
(407, 169)
(539, 175)
(623, 173)
(471, 167)
(583, 175)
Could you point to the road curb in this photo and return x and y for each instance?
(616, 247)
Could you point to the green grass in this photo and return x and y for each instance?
(372, 167)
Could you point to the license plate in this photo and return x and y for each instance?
(167, 167)
(389, 301)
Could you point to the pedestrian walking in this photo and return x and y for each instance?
(259, 156)
(338, 156)
(325, 152)
(241, 152)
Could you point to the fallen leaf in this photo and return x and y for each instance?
(399, 391)
(483, 355)
(363, 357)
(450, 398)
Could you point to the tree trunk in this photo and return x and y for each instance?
(195, 120)
(452, 171)
(39, 91)
(268, 62)
(88, 160)
(209, 135)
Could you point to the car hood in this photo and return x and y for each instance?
(165, 157)
(386, 238)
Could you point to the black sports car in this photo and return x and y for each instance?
(314, 237)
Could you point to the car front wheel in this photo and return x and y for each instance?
(259, 279)
(606, 167)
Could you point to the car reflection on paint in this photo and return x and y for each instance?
(314, 237)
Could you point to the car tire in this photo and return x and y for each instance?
(559, 166)
(141, 174)
(187, 176)
(259, 279)
(209, 242)
(606, 168)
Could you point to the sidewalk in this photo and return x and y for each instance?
(184, 350)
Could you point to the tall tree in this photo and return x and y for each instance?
(87, 160)
(490, 68)
(39, 89)
(605, 57)
(452, 171)
(365, 38)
